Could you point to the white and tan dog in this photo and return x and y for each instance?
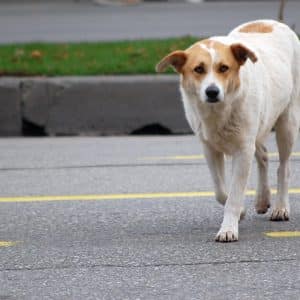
(235, 89)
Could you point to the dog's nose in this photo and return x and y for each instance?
(212, 93)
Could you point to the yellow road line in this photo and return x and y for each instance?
(7, 243)
(282, 234)
(122, 196)
(175, 157)
(201, 156)
(105, 197)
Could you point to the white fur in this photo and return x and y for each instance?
(269, 96)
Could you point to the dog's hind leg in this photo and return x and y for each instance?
(286, 128)
(263, 195)
(215, 161)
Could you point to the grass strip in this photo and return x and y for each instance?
(97, 58)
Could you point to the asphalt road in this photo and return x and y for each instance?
(116, 218)
(88, 22)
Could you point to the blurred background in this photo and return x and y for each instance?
(86, 67)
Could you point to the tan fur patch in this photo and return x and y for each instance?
(257, 27)
(230, 79)
(196, 56)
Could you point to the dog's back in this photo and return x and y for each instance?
(276, 80)
(277, 45)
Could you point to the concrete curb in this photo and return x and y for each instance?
(101, 105)
(10, 112)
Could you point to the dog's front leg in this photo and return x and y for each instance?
(215, 162)
(241, 165)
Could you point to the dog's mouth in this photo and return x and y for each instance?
(212, 100)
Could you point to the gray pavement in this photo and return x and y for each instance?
(136, 248)
(87, 22)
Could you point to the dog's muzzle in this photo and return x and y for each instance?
(212, 94)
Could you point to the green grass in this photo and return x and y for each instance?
(109, 58)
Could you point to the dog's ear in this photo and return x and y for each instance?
(242, 53)
(175, 59)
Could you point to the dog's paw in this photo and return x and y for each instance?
(279, 214)
(262, 208)
(262, 202)
(226, 236)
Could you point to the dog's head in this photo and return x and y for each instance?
(209, 68)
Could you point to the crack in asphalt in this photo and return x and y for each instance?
(92, 266)
(122, 165)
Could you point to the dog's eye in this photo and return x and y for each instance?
(199, 69)
(223, 68)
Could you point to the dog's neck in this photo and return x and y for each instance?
(220, 123)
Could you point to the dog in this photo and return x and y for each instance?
(235, 89)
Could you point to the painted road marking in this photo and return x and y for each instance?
(7, 243)
(98, 197)
(175, 157)
(201, 156)
(282, 234)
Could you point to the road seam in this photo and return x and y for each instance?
(150, 265)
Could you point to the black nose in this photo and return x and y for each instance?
(212, 93)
